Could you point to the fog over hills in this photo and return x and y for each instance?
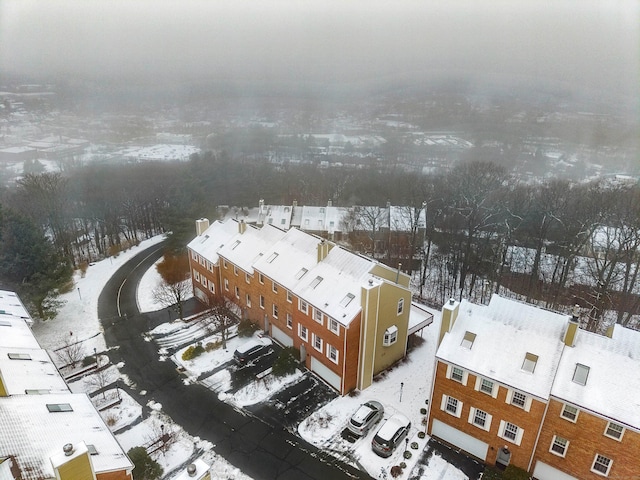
(320, 46)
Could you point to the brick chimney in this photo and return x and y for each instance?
(449, 315)
(572, 328)
(201, 225)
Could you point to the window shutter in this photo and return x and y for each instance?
(465, 378)
(519, 436)
(449, 368)
(472, 413)
(477, 385)
(509, 396)
(487, 423)
(527, 403)
(443, 404)
(459, 409)
(501, 430)
(494, 392)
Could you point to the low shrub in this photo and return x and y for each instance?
(423, 411)
(246, 328)
(209, 346)
(403, 465)
(414, 445)
(192, 352)
(421, 434)
(515, 473)
(407, 454)
(287, 362)
(88, 360)
(396, 471)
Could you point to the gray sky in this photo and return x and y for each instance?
(586, 43)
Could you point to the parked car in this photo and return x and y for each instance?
(390, 435)
(367, 415)
(251, 350)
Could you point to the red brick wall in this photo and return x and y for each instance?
(586, 438)
(497, 407)
(118, 475)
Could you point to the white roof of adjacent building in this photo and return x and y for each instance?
(505, 332)
(32, 434)
(27, 369)
(279, 216)
(214, 238)
(612, 386)
(15, 332)
(10, 304)
(245, 249)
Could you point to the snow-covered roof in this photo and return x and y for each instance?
(213, 238)
(507, 332)
(14, 332)
(419, 317)
(32, 434)
(612, 387)
(334, 284)
(279, 216)
(246, 248)
(29, 369)
(10, 304)
(286, 258)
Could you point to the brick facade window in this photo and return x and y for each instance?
(289, 297)
(510, 432)
(303, 307)
(519, 399)
(332, 353)
(226, 284)
(559, 446)
(237, 292)
(275, 311)
(317, 315)
(248, 300)
(333, 325)
(480, 419)
(274, 287)
(457, 374)
(451, 405)
(614, 431)
(303, 333)
(601, 465)
(486, 386)
(261, 301)
(317, 342)
(569, 413)
(289, 320)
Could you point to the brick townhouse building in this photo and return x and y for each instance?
(47, 432)
(349, 316)
(516, 384)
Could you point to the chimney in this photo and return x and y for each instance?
(295, 203)
(191, 470)
(449, 315)
(242, 227)
(610, 329)
(572, 328)
(323, 250)
(201, 225)
(329, 203)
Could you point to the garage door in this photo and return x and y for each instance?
(460, 439)
(547, 472)
(281, 337)
(327, 375)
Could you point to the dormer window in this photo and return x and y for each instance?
(580, 374)
(467, 341)
(530, 361)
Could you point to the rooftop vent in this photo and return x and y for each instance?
(191, 470)
(68, 449)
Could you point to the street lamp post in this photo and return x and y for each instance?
(401, 386)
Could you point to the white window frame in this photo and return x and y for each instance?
(202, 261)
(400, 306)
(448, 402)
(261, 278)
(235, 270)
(561, 443)
(465, 374)
(333, 354)
(303, 306)
(289, 296)
(303, 332)
(248, 300)
(194, 255)
(331, 323)
(613, 427)
(318, 316)
(210, 266)
(317, 342)
(226, 284)
(224, 263)
(511, 394)
(196, 275)
(479, 386)
(289, 320)
(274, 310)
(390, 336)
(595, 461)
(475, 413)
(237, 291)
(274, 287)
(203, 281)
(581, 374)
(262, 302)
(504, 428)
(564, 410)
(212, 287)
(247, 278)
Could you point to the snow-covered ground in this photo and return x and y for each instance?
(404, 388)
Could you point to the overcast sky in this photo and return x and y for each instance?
(581, 42)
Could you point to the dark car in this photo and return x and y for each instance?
(251, 350)
(390, 435)
(367, 415)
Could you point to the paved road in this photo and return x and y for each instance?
(260, 450)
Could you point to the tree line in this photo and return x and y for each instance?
(554, 242)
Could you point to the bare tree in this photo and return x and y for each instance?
(72, 351)
(173, 294)
(220, 316)
(99, 380)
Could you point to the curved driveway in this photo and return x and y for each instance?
(260, 450)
